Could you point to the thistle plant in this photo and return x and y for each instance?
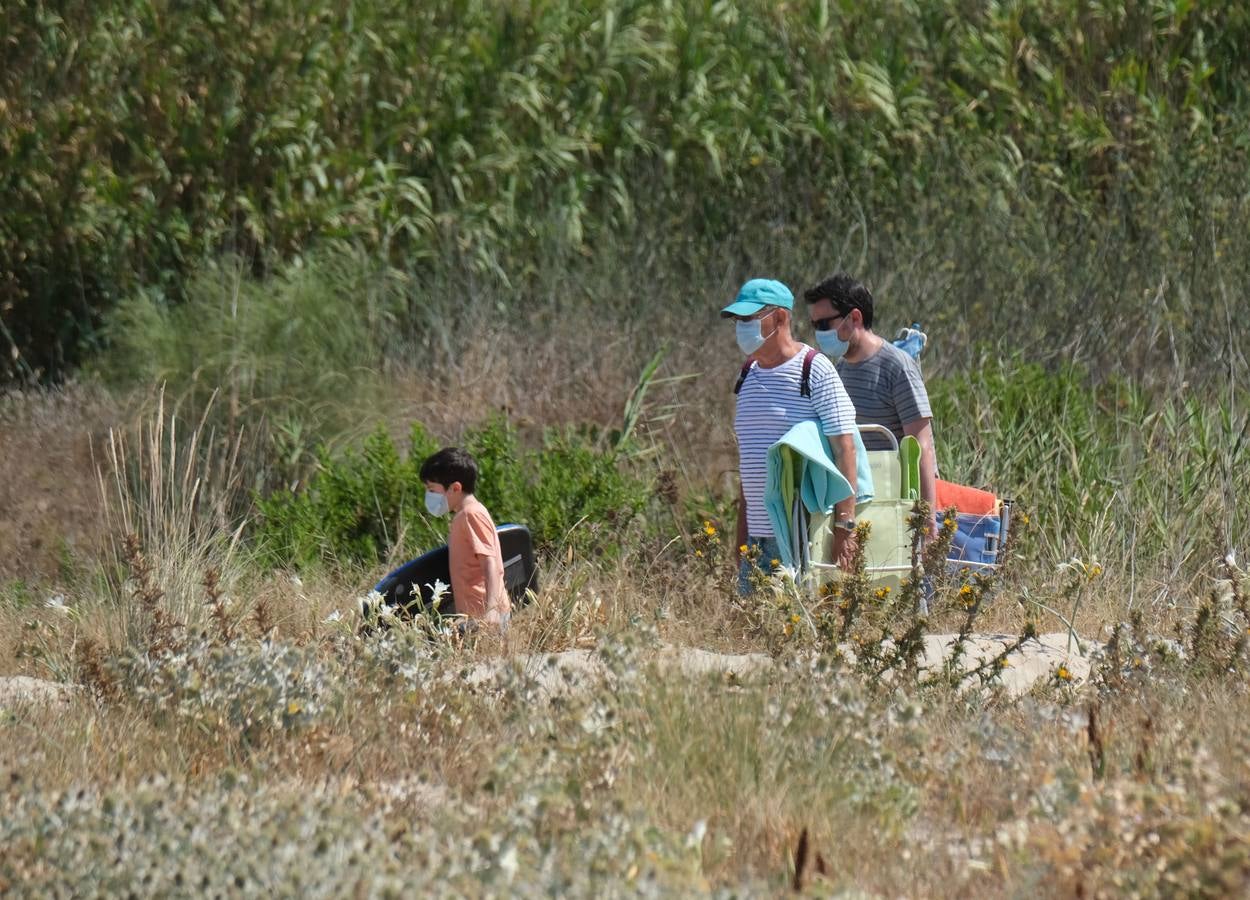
(708, 548)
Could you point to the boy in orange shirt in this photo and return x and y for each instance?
(450, 476)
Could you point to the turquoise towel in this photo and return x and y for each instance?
(802, 454)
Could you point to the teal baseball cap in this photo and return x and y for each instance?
(756, 294)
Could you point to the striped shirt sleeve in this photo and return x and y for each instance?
(829, 399)
(910, 397)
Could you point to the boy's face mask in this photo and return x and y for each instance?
(436, 503)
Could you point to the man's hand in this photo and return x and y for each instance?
(844, 546)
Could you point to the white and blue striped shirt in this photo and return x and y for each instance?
(769, 405)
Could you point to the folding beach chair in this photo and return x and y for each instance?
(888, 551)
(982, 519)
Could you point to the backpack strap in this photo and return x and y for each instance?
(805, 384)
(742, 376)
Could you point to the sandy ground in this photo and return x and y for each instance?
(20, 690)
(1036, 661)
(557, 673)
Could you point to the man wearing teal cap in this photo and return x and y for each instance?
(783, 382)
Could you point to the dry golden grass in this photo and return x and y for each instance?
(251, 691)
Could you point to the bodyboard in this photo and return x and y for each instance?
(409, 590)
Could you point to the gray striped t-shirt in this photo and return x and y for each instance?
(887, 389)
(769, 405)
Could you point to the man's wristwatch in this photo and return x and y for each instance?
(844, 524)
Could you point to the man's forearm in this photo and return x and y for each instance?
(741, 531)
(922, 431)
(928, 477)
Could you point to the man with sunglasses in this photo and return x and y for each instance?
(883, 382)
(782, 383)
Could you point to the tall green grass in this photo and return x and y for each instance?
(1148, 483)
(140, 141)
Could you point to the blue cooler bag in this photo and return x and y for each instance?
(977, 540)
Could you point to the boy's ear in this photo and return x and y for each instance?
(456, 486)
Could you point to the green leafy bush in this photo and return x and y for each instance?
(571, 493)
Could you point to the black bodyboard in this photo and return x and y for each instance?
(409, 590)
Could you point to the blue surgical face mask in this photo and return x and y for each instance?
(833, 345)
(436, 503)
(750, 336)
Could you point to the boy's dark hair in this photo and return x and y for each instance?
(845, 293)
(449, 465)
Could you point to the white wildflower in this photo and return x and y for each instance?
(786, 573)
(335, 616)
(508, 863)
(372, 604)
(437, 590)
(57, 603)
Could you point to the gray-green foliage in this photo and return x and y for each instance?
(139, 140)
(244, 690)
(568, 804)
(240, 838)
(302, 345)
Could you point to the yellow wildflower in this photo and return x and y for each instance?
(293, 708)
(775, 562)
(796, 618)
(698, 553)
(742, 548)
(709, 529)
(1063, 674)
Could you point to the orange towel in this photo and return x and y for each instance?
(965, 499)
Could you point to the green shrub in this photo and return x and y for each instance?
(570, 493)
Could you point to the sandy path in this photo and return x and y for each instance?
(556, 673)
(1036, 661)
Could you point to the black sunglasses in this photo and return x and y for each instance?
(827, 323)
